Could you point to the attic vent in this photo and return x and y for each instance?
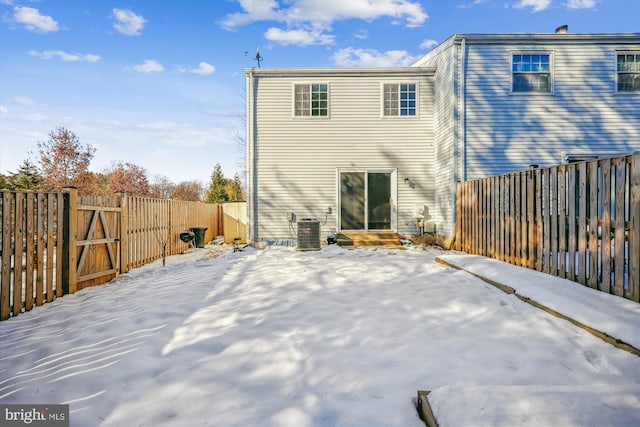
(562, 29)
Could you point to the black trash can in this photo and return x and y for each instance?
(198, 232)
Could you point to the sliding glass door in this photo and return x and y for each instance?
(367, 200)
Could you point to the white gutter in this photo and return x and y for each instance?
(463, 109)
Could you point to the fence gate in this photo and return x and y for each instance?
(98, 240)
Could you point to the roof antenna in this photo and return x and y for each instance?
(257, 58)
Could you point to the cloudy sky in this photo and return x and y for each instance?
(161, 84)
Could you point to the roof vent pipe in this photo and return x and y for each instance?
(562, 29)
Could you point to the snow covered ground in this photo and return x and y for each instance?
(330, 338)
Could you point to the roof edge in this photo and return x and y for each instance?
(553, 37)
(337, 72)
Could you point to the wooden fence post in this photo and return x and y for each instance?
(121, 198)
(5, 305)
(531, 225)
(69, 251)
(634, 230)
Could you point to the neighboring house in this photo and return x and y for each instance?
(366, 149)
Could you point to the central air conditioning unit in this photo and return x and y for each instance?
(308, 234)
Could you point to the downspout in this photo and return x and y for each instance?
(460, 140)
(252, 212)
(463, 108)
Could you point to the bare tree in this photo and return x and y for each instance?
(161, 187)
(188, 190)
(162, 239)
(65, 162)
(129, 178)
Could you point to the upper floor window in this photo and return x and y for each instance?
(628, 72)
(311, 99)
(399, 99)
(531, 72)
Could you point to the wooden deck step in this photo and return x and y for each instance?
(384, 239)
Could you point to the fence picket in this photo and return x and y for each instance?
(592, 279)
(566, 220)
(5, 281)
(571, 212)
(553, 187)
(40, 254)
(49, 247)
(29, 250)
(56, 243)
(634, 229)
(582, 223)
(17, 253)
(539, 227)
(562, 222)
(619, 232)
(605, 233)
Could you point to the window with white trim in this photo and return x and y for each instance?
(628, 69)
(311, 99)
(399, 99)
(531, 72)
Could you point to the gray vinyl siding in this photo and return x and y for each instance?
(446, 108)
(297, 158)
(583, 115)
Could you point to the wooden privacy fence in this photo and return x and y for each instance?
(58, 243)
(149, 223)
(30, 252)
(578, 221)
(235, 222)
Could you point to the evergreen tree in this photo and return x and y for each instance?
(234, 190)
(27, 178)
(217, 192)
(4, 182)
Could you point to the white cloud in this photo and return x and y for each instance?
(468, 5)
(581, 4)
(300, 15)
(33, 20)
(536, 5)
(149, 66)
(3, 109)
(299, 37)
(159, 125)
(428, 44)
(350, 57)
(23, 101)
(326, 11)
(203, 69)
(64, 56)
(36, 117)
(127, 22)
(361, 34)
(255, 10)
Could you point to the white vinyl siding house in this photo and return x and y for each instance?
(485, 104)
(295, 162)
(497, 129)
